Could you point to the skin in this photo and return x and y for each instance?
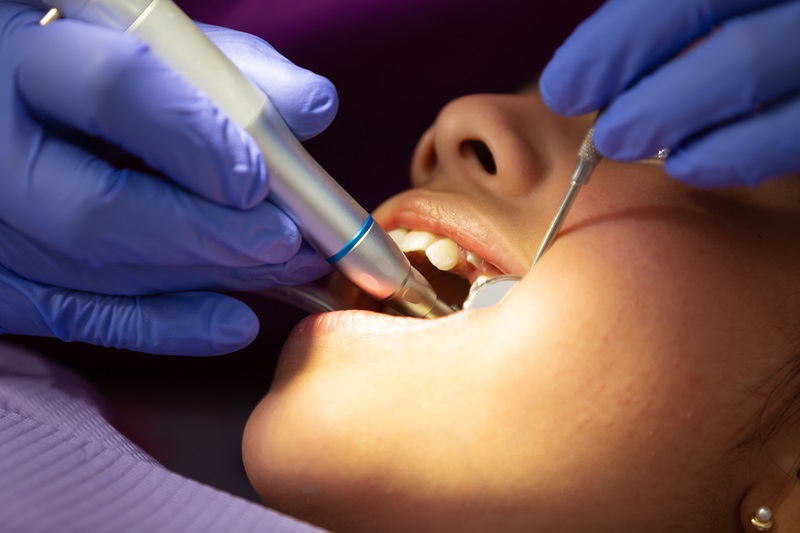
(610, 391)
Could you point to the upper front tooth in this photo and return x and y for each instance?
(443, 254)
(398, 234)
(416, 241)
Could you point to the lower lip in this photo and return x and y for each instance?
(356, 322)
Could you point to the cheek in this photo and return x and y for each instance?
(581, 391)
(635, 377)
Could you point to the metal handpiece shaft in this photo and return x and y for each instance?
(588, 157)
(329, 218)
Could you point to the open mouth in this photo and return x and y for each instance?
(449, 267)
(455, 243)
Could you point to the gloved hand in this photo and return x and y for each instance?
(98, 247)
(717, 81)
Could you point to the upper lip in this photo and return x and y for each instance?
(457, 218)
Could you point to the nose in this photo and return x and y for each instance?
(491, 141)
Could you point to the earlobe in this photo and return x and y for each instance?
(772, 503)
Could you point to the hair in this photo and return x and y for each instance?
(780, 410)
(781, 407)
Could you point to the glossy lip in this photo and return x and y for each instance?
(456, 217)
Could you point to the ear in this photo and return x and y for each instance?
(776, 483)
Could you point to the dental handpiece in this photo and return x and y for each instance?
(328, 217)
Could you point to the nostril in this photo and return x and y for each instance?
(481, 151)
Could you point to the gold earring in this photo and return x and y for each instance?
(762, 519)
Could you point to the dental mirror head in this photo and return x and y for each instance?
(490, 292)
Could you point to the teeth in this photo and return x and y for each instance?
(480, 280)
(474, 259)
(443, 254)
(417, 241)
(398, 234)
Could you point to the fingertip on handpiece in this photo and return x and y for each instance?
(310, 110)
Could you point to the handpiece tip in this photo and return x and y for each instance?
(440, 309)
(417, 298)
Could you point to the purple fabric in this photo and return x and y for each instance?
(64, 468)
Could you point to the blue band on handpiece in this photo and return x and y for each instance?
(350, 245)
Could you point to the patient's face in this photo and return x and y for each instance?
(608, 390)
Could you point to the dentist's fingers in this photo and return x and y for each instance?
(111, 86)
(150, 274)
(748, 63)
(625, 40)
(306, 101)
(100, 215)
(743, 153)
(194, 323)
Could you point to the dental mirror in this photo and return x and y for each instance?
(490, 292)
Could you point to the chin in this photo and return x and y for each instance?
(336, 441)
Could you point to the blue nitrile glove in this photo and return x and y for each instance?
(93, 249)
(728, 106)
